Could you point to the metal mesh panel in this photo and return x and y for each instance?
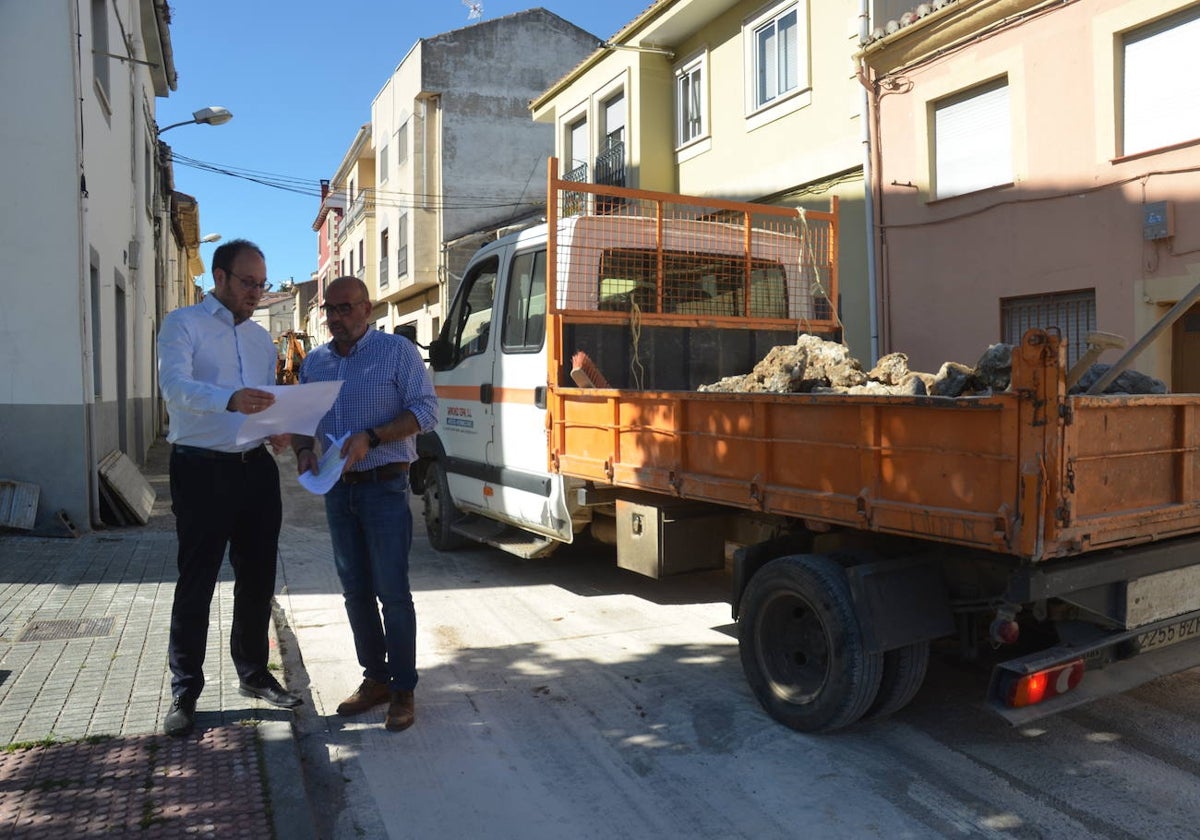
(1073, 314)
(670, 261)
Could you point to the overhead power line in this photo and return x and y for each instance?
(383, 198)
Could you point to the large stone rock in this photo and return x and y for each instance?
(1129, 382)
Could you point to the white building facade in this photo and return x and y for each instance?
(79, 253)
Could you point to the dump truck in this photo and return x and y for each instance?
(1054, 533)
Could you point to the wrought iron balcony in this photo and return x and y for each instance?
(610, 166)
(610, 172)
(575, 203)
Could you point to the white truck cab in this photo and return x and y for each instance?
(488, 453)
(486, 469)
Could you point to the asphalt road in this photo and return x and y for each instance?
(566, 698)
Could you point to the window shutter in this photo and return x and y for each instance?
(973, 141)
(1162, 88)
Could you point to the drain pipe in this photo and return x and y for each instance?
(864, 32)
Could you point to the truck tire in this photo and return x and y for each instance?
(903, 673)
(802, 648)
(440, 512)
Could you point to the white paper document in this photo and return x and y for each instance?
(297, 410)
(329, 469)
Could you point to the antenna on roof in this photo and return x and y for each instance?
(474, 9)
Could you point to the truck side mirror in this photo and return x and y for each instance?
(441, 354)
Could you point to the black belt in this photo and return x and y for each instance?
(384, 473)
(214, 455)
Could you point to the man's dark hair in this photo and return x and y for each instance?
(224, 256)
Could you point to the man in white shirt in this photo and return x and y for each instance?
(212, 362)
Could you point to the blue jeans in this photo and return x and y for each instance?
(371, 528)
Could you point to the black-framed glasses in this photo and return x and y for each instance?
(340, 309)
(249, 284)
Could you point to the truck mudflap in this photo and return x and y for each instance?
(1068, 675)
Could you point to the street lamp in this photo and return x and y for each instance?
(213, 115)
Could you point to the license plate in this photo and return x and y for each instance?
(1178, 632)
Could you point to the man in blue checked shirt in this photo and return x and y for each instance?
(385, 400)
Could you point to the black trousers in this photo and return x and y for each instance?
(223, 502)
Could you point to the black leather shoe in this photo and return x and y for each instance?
(182, 717)
(268, 688)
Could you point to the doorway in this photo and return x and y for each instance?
(1185, 353)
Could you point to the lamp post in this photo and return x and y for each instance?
(208, 239)
(213, 115)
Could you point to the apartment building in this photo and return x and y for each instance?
(742, 100)
(449, 160)
(1038, 165)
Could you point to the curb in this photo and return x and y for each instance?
(291, 814)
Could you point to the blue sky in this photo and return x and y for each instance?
(299, 78)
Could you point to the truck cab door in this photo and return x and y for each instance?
(525, 492)
(464, 384)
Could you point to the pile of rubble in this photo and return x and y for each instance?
(816, 366)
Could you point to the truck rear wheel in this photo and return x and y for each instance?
(801, 645)
(903, 672)
(440, 512)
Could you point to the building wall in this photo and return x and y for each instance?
(80, 165)
(1072, 217)
(473, 158)
(802, 152)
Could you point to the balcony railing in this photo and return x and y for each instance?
(610, 172)
(363, 205)
(575, 203)
(610, 166)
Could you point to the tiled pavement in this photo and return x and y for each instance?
(84, 688)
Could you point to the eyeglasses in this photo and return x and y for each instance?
(340, 309)
(248, 284)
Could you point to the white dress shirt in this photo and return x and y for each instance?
(203, 358)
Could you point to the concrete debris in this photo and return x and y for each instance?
(816, 366)
(1129, 382)
(993, 371)
(802, 367)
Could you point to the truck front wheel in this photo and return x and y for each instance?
(440, 512)
(801, 645)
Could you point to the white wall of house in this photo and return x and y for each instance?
(77, 328)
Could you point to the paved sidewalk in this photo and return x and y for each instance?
(84, 688)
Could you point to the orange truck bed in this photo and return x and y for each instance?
(1029, 472)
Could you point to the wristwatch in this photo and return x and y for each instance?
(372, 438)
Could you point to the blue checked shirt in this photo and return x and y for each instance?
(383, 376)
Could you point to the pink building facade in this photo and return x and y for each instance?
(1037, 165)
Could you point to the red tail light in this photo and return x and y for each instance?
(1031, 689)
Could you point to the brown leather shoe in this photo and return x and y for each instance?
(367, 696)
(400, 713)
